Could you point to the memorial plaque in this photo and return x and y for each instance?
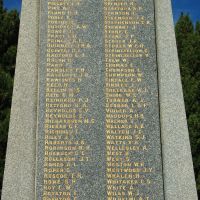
(98, 134)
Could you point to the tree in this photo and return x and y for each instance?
(197, 29)
(184, 28)
(188, 43)
(9, 27)
(1, 5)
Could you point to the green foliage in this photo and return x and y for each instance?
(6, 86)
(4, 124)
(197, 29)
(1, 4)
(188, 42)
(9, 26)
(8, 59)
(183, 29)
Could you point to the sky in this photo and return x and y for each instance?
(12, 4)
(191, 7)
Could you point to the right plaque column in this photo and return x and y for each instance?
(132, 123)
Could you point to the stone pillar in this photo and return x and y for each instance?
(179, 181)
(19, 174)
(20, 169)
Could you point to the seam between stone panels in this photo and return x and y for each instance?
(159, 104)
(37, 95)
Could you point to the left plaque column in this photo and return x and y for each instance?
(19, 175)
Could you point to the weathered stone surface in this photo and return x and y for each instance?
(177, 160)
(19, 175)
(19, 178)
(98, 121)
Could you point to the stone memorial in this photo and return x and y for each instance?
(98, 110)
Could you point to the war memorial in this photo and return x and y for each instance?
(98, 110)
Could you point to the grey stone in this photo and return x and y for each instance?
(19, 175)
(179, 182)
(94, 172)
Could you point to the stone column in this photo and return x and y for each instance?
(19, 176)
(179, 181)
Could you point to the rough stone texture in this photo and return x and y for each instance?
(179, 179)
(94, 174)
(20, 161)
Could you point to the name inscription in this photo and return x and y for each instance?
(98, 116)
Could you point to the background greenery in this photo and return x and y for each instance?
(9, 26)
(188, 43)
